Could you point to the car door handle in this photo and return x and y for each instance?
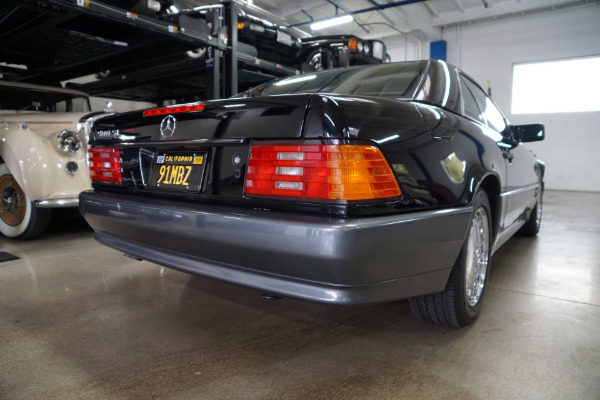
(508, 155)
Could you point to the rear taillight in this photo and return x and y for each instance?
(105, 165)
(320, 171)
(179, 108)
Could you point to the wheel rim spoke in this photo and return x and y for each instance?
(12, 204)
(317, 61)
(477, 257)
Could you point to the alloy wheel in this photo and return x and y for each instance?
(478, 253)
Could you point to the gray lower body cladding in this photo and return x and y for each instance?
(324, 259)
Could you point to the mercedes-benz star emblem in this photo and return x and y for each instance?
(167, 126)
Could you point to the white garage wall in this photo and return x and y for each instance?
(100, 103)
(407, 48)
(488, 50)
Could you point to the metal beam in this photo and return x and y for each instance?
(460, 5)
(432, 9)
(231, 72)
(383, 15)
(337, 8)
(499, 9)
(378, 7)
(418, 22)
(213, 67)
(291, 8)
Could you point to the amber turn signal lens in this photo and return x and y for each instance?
(334, 172)
(240, 25)
(353, 44)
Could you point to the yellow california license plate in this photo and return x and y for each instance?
(178, 171)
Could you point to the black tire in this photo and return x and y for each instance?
(19, 217)
(319, 60)
(196, 53)
(460, 302)
(534, 223)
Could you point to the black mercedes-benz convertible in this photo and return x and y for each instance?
(350, 186)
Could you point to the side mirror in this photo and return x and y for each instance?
(529, 133)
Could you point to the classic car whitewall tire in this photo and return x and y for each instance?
(19, 218)
(460, 302)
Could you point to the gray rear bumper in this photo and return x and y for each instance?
(333, 260)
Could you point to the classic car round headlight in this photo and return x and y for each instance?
(359, 46)
(366, 48)
(68, 142)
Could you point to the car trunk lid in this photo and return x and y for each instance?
(257, 118)
(198, 149)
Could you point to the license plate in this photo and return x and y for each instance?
(178, 171)
(284, 38)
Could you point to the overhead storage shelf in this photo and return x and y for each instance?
(136, 57)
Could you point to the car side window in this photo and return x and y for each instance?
(493, 116)
(488, 112)
(470, 104)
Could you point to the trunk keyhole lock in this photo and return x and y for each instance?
(237, 160)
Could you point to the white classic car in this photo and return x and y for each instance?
(42, 154)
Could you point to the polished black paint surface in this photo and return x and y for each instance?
(420, 138)
(417, 113)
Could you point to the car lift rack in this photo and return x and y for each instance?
(136, 57)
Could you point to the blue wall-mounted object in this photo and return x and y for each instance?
(437, 50)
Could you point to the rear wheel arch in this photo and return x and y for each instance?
(460, 302)
(490, 184)
(541, 168)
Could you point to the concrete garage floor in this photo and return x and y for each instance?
(80, 321)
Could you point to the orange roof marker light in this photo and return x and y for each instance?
(353, 44)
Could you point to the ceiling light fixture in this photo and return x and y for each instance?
(331, 22)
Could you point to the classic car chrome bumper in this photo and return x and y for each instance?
(325, 259)
(58, 203)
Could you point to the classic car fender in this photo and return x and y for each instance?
(29, 148)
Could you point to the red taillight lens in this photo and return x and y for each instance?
(334, 172)
(174, 109)
(105, 165)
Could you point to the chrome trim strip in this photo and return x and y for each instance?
(57, 203)
(145, 170)
(180, 142)
(519, 190)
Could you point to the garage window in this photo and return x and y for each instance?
(571, 85)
